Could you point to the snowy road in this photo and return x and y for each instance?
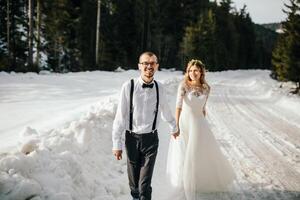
(259, 132)
(265, 135)
(256, 124)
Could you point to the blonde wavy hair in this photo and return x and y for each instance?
(201, 67)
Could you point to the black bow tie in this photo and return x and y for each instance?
(147, 85)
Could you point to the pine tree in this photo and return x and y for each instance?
(280, 59)
(8, 28)
(38, 30)
(61, 32)
(169, 31)
(30, 35)
(246, 39)
(18, 35)
(226, 37)
(65, 32)
(286, 55)
(4, 35)
(98, 31)
(199, 40)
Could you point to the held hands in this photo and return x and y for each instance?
(176, 134)
(204, 112)
(118, 154)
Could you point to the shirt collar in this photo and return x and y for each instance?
(141, 81)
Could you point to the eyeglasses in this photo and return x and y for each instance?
(145, 64)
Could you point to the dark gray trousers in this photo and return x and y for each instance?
(141, 152)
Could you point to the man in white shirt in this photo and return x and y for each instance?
(141, 101)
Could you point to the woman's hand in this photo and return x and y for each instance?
(176, 134)
(204, 112)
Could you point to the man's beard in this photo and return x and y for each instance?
(149, 74)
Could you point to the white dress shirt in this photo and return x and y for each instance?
(144, 106)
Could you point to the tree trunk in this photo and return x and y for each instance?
(8, 31)
(297, 89)
(30, 36)
(145, 26)
(98, 32)
(56, 58)
(38, 28)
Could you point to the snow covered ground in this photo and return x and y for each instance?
(55, 136)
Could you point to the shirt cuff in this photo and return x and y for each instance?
(117, 146)
(174, 129)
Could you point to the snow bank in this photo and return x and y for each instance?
(74, 162)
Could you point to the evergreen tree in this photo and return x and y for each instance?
(4, 35)
(38, 33)
(98, 32)
(200, 40)
(246, 41)
(65, 33)
(280, 60)
(286, 55)
(61, 28)
(264, 44)
(18, 34)
(169, 31)
(12, 33)
(30, 35)
(226, 37)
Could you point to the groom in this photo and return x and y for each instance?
(142, 100)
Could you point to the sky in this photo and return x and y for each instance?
(264, 11)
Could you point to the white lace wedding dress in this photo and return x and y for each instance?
(195, 162)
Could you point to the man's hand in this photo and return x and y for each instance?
(175, 135)
(118, 154)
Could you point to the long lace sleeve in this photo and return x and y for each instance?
(206, 93)
(180, 94)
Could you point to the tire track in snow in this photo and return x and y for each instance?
(251, 135)
(254, 175)
(279, 134)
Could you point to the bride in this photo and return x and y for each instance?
(195, 161)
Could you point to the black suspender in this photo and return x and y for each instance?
(157, 103)
(131, 106)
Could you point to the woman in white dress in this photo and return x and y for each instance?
(195, 161)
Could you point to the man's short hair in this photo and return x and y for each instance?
(148, 53)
